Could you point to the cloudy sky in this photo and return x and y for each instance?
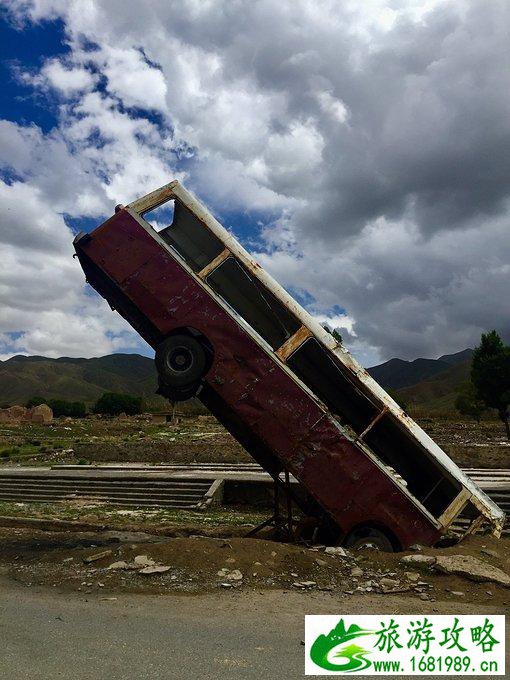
(360, 150)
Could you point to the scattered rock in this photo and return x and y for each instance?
(119, 565)
(143, 561)
(424, 596)
(304, 584)
(412, 576)
(416, 546)
(97, 556)
(418, 559)
(321, 563)
(234, 575)
(357, 572)
(471, 568)
(226, 585)
(389, 583)
(158, 569)
(339, 552)
(489, 553)
(457, 593)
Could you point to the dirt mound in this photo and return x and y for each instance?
(108, 563)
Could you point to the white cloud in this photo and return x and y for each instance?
(132, 79)
(67, 80)
(334, 107)
(374, 136)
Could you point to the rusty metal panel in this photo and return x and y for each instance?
(120, 247)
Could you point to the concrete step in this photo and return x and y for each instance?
(127, 479)
(104, 485)
(120, 490)
(97, 492)
(128, 501)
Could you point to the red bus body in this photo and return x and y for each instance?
(275, 419)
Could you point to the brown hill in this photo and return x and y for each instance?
(437, 394)
(76, 379)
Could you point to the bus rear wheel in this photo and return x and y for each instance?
(364, 538)
(181, 363)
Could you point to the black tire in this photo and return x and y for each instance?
(174, 394)
(365, 538)
(181, 363)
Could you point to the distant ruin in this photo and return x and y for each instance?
(42, 415)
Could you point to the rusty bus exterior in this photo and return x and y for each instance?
(223, 328)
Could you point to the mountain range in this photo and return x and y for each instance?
(85, 380)
(431, 383)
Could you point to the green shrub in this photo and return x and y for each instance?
(13, 451)
(72, 409)
(61, 407)
(35, 401)
(113, 404)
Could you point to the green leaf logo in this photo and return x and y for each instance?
(352, 657)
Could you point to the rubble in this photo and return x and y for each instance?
(157, 569)
(97, 556)
(338, 551)
(304, 584)
(143, 561)
(471, 568)
(418, 559)
(119, 565)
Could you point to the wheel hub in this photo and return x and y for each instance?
(180, 360)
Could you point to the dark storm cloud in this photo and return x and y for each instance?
(378, 132)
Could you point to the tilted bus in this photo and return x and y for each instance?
(223, 329)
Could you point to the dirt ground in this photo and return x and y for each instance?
(81, 561)
(201, 438)
(471, 444)
(208, 553)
